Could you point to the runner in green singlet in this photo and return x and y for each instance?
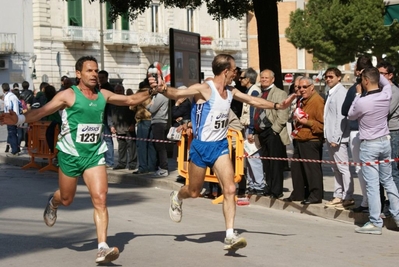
(80, 145)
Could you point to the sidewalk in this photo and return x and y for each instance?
(126, 177)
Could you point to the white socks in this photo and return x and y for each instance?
(102, 245)
(229, 232)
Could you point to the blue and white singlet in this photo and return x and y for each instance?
(210, 119)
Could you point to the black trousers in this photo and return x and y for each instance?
(125, 147)
(307, 177)
(272, 146)
(158, 132)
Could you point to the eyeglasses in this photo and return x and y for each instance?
(242, 77)
(384, 73)
(304, 86)
(329, 77)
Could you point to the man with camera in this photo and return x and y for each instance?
(354, 141)
(371, 110)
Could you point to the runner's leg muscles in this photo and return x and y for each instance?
(96, 181)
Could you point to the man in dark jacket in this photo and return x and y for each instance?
(123, 123)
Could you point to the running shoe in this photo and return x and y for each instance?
(234, 242)
(105, 255)
(175, 209)
(161, 173)
(50, 213)
(369, 228)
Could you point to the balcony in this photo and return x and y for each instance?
(154, 39)
(7, 43)
(118, 37)
(80, 34)
(227, 45)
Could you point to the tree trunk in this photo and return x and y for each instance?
(266, 14)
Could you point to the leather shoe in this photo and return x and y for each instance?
(118, 167)
(307, 202)
(273, 196)
(139, 172)
(287, 199)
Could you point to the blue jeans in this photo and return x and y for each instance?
(21, 136)
(395, 154)
(374, 174)
(12, 138)
(109, 154)
(254, 174)
(147, 156)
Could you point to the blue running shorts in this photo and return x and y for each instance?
(205, 154)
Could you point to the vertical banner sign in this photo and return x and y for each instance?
(185, 58)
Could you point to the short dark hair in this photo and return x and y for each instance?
(15, 85)
(63, 78)
(103, 72)
(363, 62)
(42, 85)
(336, 71)
(386, 65)
(49, 92)
(79, 63)
(6, 87)
(372, 74)
(25, 85)
(17, 93)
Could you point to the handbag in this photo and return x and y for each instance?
(173, 134)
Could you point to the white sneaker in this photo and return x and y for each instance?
(161, 173)
(175, 208)
(234, 242)
(105, 255)
(50, 213)
(369, 228)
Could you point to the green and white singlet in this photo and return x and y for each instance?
(82, 126)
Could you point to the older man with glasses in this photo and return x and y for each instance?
(307, 177)
(254, 168)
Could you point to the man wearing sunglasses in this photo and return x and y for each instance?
(254, 168)
(336, 132)
(307, 177)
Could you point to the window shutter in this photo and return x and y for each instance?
(75, 13)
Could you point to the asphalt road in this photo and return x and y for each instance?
(140, 227)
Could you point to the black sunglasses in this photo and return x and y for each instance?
(304, 86)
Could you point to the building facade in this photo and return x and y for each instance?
(40, 40)
(17, 58)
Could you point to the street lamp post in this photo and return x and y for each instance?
(101, 37)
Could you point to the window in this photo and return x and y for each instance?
(154, 18)
(75, 13)
(111, 25)
(125, 22)
(190, 20)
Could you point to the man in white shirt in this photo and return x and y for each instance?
(11, 102)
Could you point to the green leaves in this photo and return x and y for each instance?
(218, 9)
(336, 31)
